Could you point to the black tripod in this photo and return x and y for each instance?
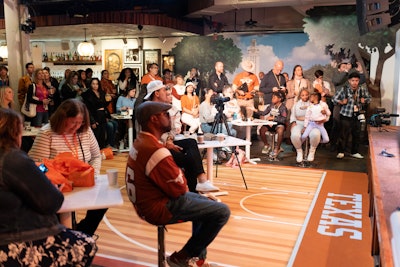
(219, 120)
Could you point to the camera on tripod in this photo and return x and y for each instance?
(381, 118)
(219, 101)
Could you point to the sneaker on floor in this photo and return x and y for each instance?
(206, 187)
(175, 261)
(266, 150)
(357, 156)
(196, 262)
(340, 155)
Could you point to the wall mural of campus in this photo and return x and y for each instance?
(325, 42)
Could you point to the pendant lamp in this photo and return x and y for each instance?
(85, 48)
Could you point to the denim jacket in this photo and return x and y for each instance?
(28, 200)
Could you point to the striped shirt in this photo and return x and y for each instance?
(49, 144)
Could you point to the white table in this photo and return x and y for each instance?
(248, 125)
(229, 141)
(130, 129)
(33, 132)
(99, 196)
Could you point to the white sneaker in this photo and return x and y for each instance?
(266, 150)
(357, 156)
(207, 186)
(311, 154)
(299, 157)
(340, 155)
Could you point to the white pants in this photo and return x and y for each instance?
(194, 123)
(295, 135)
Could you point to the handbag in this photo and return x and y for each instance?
(29, 109)
(80, 173)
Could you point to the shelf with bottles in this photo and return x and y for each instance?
(70, 58)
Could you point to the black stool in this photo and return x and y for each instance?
(161, 245)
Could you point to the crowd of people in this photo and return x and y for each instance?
(74, 115)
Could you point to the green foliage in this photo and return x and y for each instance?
(203, 51)
(380, 38)
(340, 31)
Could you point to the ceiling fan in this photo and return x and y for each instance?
(250, 23)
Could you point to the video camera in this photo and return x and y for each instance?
(219, 101)
(381, 118)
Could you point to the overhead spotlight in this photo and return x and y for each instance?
(140, 27)
(162, 39)
(93, 41)
(124, 40)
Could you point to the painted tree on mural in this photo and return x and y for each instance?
(202, 52)
(339, 35)
(383, 43)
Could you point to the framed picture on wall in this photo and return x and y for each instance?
(113, 62)
(137, 69)
(132, 56)
(151, 56)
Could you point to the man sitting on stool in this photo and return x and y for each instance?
(185, 152)
(158, 189)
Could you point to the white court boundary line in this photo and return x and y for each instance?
(116, 231)
(303, 229)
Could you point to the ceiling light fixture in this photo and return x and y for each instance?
(85, 49)
(124, 40)
(162, 39)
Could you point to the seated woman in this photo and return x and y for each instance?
(297, 124)
(30, 233)
(95, 100)
(208, 114)
(69, 131)
(276, 112)
(6, 97)
(190, 109)
(126, 102)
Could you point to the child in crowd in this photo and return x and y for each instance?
(276, 112)
(317, 113)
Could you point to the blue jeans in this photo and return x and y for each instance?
(112, 127)
(219, 128)
(207, 216)
(40, 118)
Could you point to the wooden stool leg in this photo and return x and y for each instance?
(161, 245)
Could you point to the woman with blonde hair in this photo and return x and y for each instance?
(6, 97)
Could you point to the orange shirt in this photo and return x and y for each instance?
(246, 77)
(190, 103)
(148, 78)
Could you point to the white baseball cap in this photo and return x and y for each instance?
(152, 87)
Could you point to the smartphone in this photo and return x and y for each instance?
(43, 168)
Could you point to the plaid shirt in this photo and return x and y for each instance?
(353, 97)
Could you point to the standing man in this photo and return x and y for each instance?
(339, 79)
(185, 152)
(218, 80)
(350, 98)
(157, 188)
(245, 85)
(273, 81)
(24, 82)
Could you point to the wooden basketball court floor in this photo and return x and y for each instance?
(263, 228)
